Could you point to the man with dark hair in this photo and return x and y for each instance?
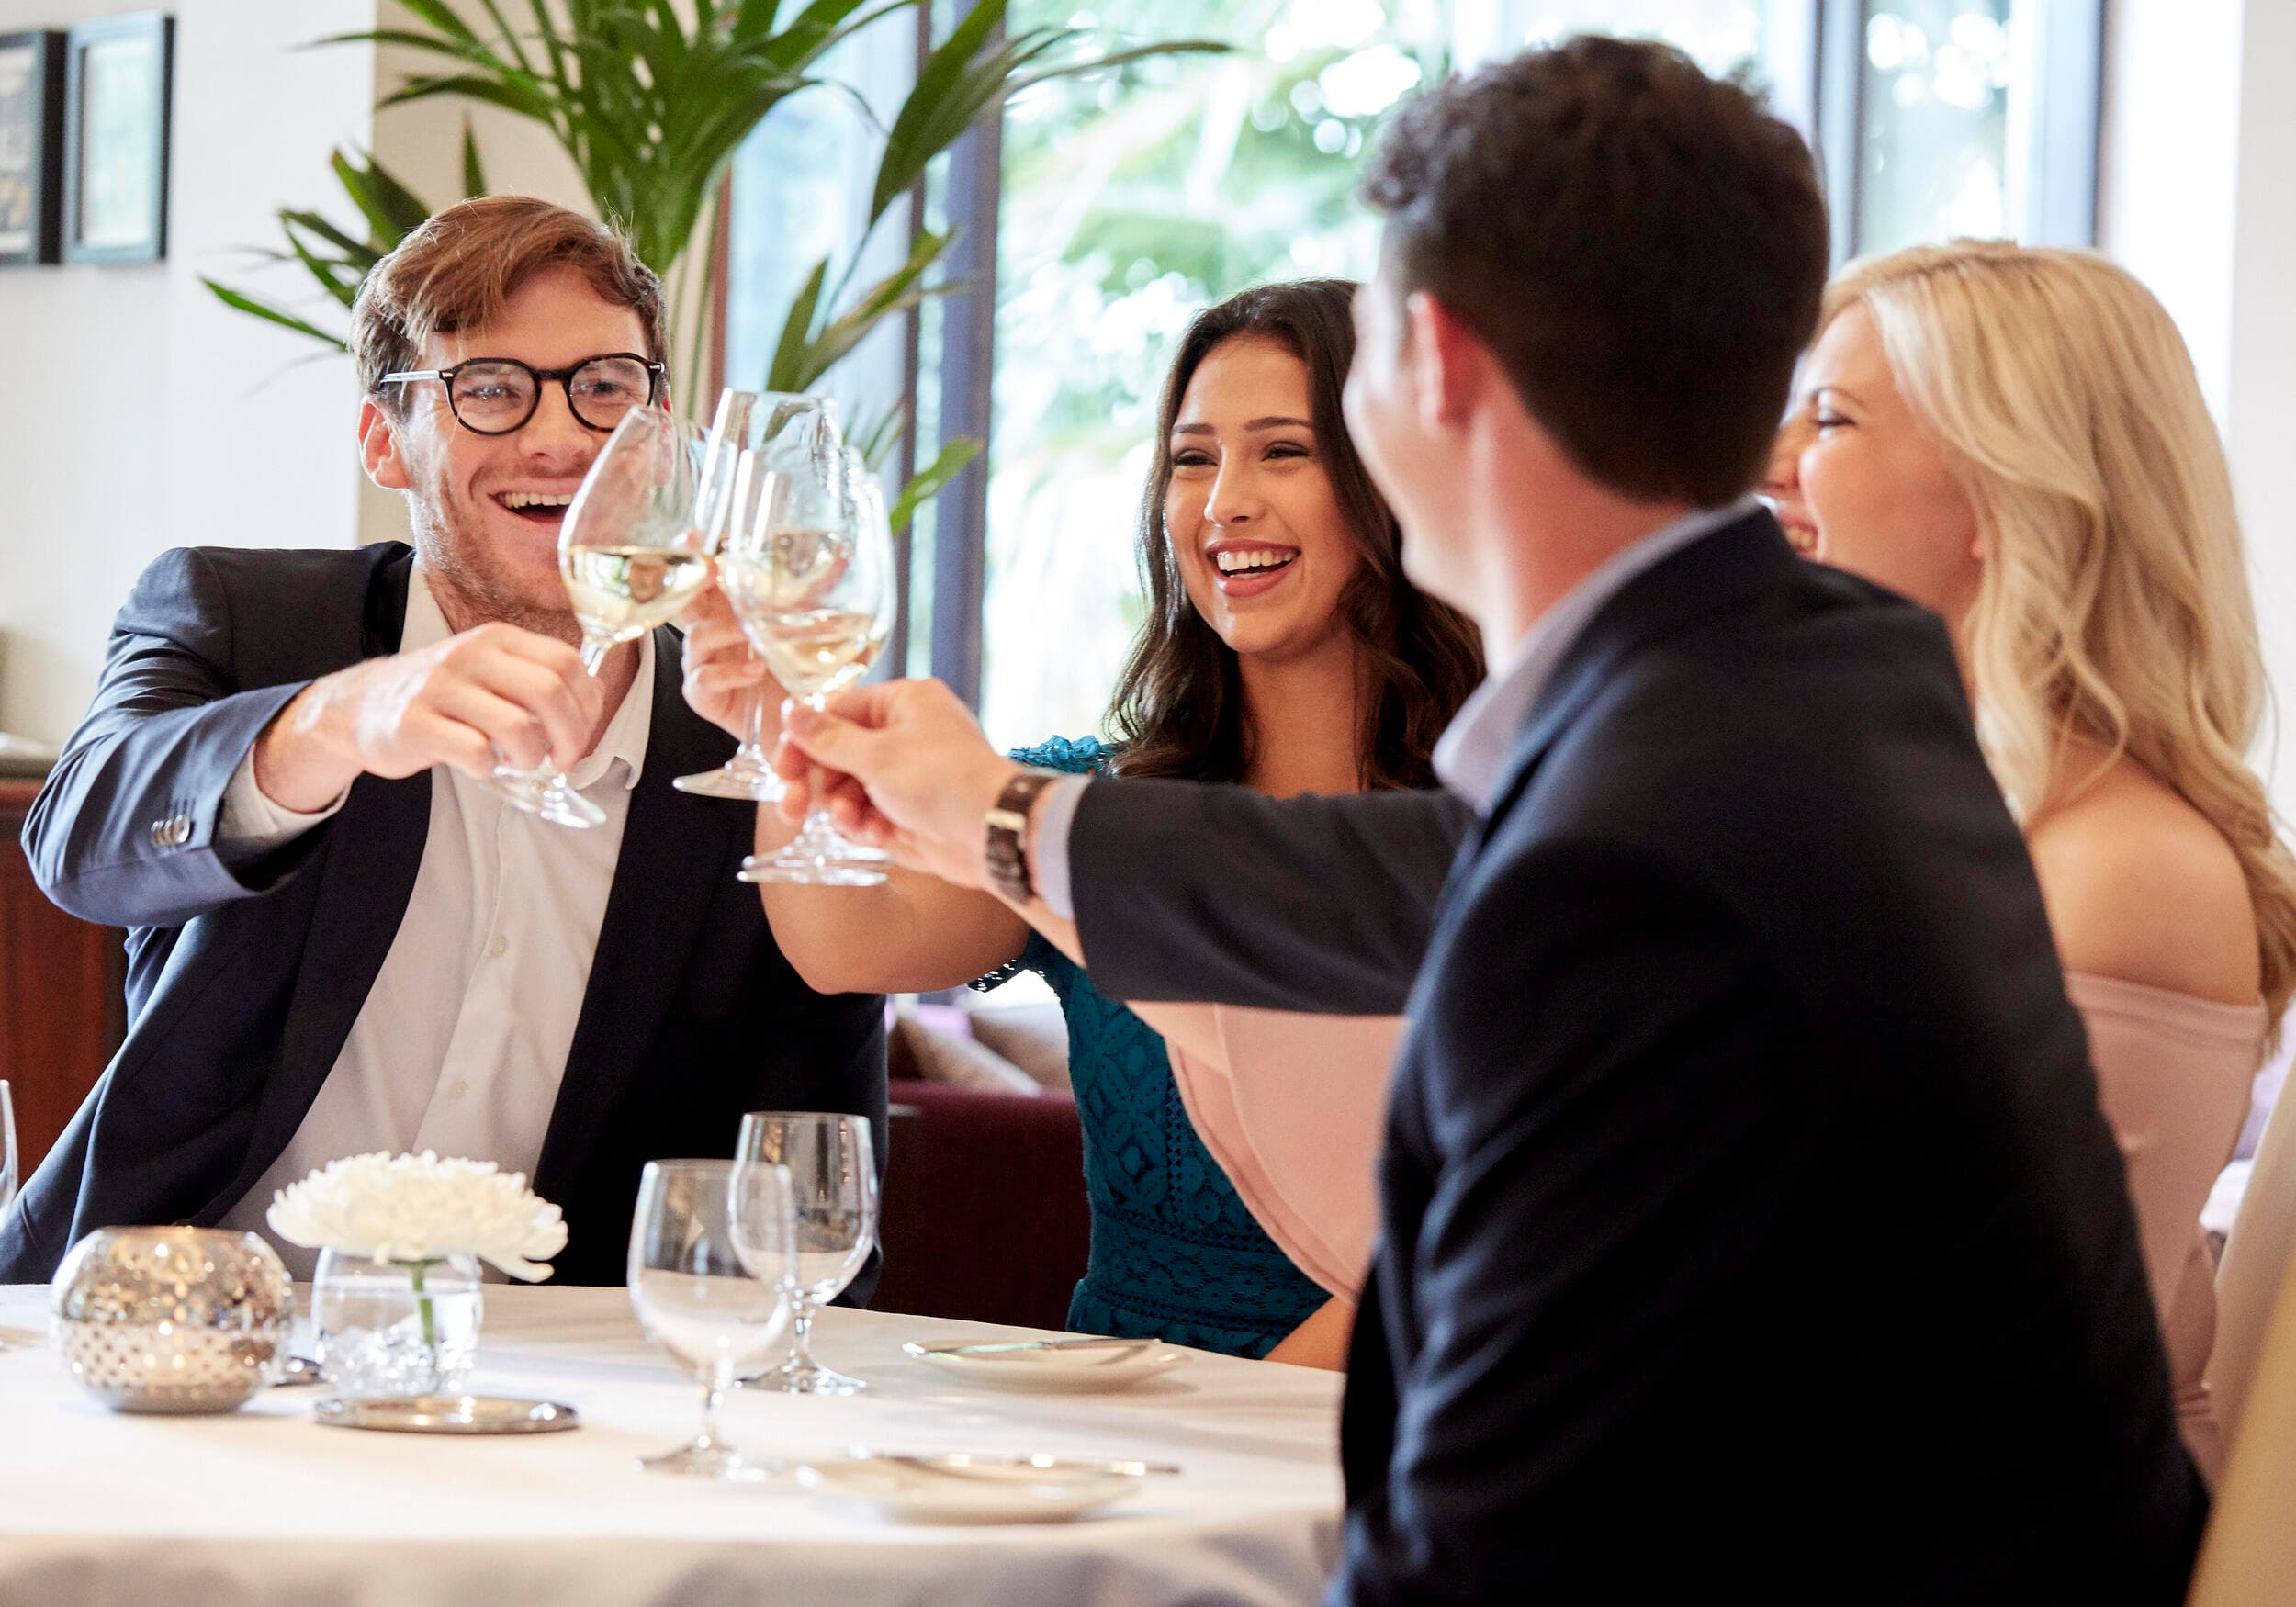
(1748, 1220)
(342, 939)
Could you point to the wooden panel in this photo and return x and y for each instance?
(61, 1004)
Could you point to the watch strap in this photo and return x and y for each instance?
(1007, 827)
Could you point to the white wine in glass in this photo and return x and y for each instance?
(818, 651)
(621, 592)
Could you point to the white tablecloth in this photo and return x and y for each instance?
(263, 1506)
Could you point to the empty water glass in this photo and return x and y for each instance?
(833, 1187)
(695, 1297)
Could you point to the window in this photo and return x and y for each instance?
(1117, 206)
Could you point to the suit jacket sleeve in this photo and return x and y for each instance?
(124, 833)
(1216, 893)
(1598, 1132)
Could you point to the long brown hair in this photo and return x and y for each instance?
(1179, 708)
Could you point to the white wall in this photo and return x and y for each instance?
(420, 144)
(136, 412)
(2198, 198)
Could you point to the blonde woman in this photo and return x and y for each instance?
(2015, 438)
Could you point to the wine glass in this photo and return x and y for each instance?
(833, 1182)
(630, 559)
(785, 431)
(698, 1229)
(812, 584)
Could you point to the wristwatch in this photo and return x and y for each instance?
(1008, 834)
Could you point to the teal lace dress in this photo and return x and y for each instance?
(1174, 1254)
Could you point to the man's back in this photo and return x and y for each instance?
(1749, 1211)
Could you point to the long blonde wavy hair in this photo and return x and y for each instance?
(2113, 606)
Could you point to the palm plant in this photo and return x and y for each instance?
(651, 99)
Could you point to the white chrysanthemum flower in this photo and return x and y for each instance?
(419, 1207)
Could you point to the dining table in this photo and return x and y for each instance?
(267, 1505)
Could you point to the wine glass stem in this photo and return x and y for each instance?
(753, 725)
(801, 1333)
(711, 1396)
(594, 653)
(816, 825)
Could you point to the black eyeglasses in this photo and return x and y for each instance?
(494, 395)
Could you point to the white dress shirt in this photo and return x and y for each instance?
(1471, 758)
(462, 1042)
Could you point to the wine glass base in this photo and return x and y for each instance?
(708, 1461)
(547, 795)
(806, 1377)
(740, 783)
(840, 872)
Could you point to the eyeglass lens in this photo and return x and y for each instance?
(500, 396)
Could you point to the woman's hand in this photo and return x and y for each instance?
(721, 673)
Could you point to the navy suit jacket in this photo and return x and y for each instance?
(1748, 1219)
(244, 975)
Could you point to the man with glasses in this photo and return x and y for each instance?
(342, 938)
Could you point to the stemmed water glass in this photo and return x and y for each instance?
(811, 581)
(631, 560)
(833, 1184)
(8, 1153)
(8, 1148)
(710, 1279)
(787, 434)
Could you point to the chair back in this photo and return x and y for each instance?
(2248, 1557)
(2256, 1256)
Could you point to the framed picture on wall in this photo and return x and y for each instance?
(31, 147)
(118, 74)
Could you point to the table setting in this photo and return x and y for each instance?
(182, 1424)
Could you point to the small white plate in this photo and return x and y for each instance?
(961, 1488)
(1117, 1366)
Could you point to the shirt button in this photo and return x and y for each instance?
(500, 947)
(459, 1090)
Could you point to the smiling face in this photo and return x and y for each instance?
(1263, 547)
(485, 509)
(1879, 488)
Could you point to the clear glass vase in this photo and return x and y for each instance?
(396, 1328)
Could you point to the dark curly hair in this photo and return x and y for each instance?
(1643, 248)
(1179, 708)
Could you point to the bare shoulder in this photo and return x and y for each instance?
(2141, 887)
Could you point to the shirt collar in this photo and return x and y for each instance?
(624, 741)
(1472, 757)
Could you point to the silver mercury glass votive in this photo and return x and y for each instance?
(174, 1319)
